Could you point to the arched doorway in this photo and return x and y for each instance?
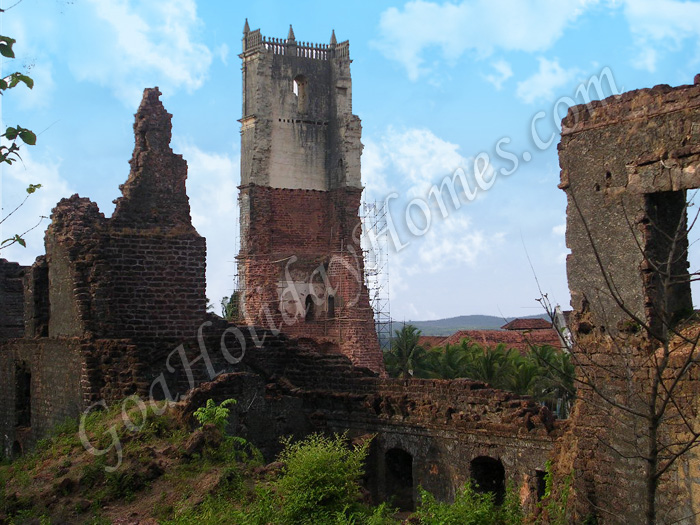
(489, 476)
(399, 478)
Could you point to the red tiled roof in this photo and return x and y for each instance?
(527, 324)
(510, 338)
(430, 341)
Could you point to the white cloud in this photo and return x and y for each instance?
(416, 156)
(211, 186)
(15, 180)
(503, 73)
(543, 84)
(479, 26)
(559, 229)
(410, 162)
(223, 51)
(125, 45)
(452, 243)
(659, 26)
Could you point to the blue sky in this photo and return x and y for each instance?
(436, 84)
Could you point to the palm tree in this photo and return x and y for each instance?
(448, 362)
(557, 372)
(406, 358)
(491, 365)
(525, 378)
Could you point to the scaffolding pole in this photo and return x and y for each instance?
(375, 247)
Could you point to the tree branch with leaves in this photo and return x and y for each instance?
(13, 137)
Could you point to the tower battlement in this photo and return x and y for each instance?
(254, 41)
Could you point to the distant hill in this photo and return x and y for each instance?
(463, 322)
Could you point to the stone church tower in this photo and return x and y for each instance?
(301, 268)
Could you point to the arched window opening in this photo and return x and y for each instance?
(23, 395)
(331, 306)
(309, 308)
(489, 476)
(399, 478)
(300, 90)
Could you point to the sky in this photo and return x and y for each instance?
(474, 87)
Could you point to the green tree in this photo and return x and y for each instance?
(492, 365)
(449, 362)
(230, 306)
(406, 358)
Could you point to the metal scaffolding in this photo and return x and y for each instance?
(375, 246)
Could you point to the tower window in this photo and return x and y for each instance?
(309, 308)
(300, 90)
(331, 306)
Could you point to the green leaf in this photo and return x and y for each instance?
(6, 44)
(15, 238)
(11, 133)
(28, 137)
(16, 78)
(32, 188)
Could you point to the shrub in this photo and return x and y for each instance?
(320, 478)
(470, 508)
(214, 414)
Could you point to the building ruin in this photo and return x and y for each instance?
(116, 307)
(629, 164)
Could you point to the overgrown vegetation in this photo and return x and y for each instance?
(214, 414)
(177, 476)
(470, 508)
(230, 306)
(545, 373)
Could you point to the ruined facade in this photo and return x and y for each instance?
(105, 288)
(116, 307)
(301, 267)
(628, 164)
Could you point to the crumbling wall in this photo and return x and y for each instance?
(11, 300)
(626, 165)
(55, 389)
(442, 425)
(141, 273)
(617, 156)
(112, 296)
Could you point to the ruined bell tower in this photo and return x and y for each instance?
(300, 263)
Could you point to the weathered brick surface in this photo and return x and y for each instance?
(11, 300)
(444, 425)
(618, 157)
(141, 273)
(112, 295)
(56, 389)
(626, 163)
(300, 197)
